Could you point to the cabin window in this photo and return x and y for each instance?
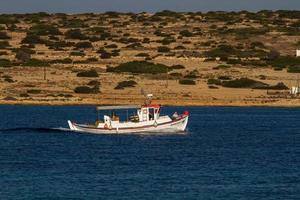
(151, 114)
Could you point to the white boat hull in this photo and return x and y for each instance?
(158, 127)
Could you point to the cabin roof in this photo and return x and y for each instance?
(118, 107)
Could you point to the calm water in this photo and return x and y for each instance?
(229, 153)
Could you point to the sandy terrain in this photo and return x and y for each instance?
(61, 79)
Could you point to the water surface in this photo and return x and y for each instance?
(228, 153)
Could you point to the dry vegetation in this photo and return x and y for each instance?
(213, 58)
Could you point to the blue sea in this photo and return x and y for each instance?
(228, 153)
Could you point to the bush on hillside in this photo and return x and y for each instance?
(221, 67)
(32, 39)
(77, 53)
(124, 84)
(285, 61)
(4, 36)
(294, 69)
(105, 55)
(75, 34)
(140, 67)
(186, 33)
(36, 63)
(94, 83)
(90, 73)
(278, 86)
(74, 23)
(4, 44)
(83, 45)
(177, 67)
(168, 40)
(44, 29)
(5, 63)
(62, 61)
(86, 90)
(111, 46)
(213, 81)
(163, 49)
(243, 83)
(142, 55)
(187, 82)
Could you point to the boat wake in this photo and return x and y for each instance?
(35, 130)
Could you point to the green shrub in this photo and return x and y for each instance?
(77, 53)
(221, 51)
(257, 45)
(243, 83)
(180, 47)
(111, 46)
(186, 33)
(212, 87)
(5, 63)
(97, 29)
(63, 61)
(7, 19)
(213, 81)
(105, 55)
(278, 86)
(225, 78)
(124, 84)
(83, 45)
(177, 67)
(294, 69)
(146, 40)
(3, 53)
(59, 44)
(140, 67)
(187, 82)
(92, 59)
(163, 49)
(4, 44)
(4, 36)
(142, 55)
(44, 29)
(175, 74)
(75, 34)
(86, 90)
(32, 39)
(24, 95)
(168, 40)
(36, 63)
(222, 67)
(192, 75)
(74, 23)
(34, 91)
(94, 83)
(105, 36)
(284, 61)
(134, 45)
(90, 73)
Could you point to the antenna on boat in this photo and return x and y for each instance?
(148, 97)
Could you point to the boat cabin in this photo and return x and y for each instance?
(143, 113)
(148, 113)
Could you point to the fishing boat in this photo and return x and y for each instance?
(147, 119)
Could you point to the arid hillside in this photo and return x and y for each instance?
(214, 58)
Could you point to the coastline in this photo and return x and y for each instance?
(290, 103)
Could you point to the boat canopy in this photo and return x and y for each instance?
(118, 107)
